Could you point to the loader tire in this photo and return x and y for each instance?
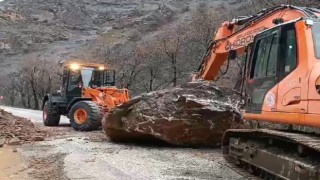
(85, 116)
(51, 116)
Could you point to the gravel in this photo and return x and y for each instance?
(80, 155)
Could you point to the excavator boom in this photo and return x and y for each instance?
(236, 35)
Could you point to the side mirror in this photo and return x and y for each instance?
(233, 55)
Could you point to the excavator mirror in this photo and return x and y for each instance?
(232, 54)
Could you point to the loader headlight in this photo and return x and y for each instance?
(101, 68)
(74, 66)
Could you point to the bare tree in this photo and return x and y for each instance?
(32, 80)
(9, 90)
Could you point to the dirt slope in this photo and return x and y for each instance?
(57, 30)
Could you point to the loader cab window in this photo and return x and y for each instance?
(87, 76)
(102, 78)
(110, 78)
(74, 84)
(75, 80)
(96, 79)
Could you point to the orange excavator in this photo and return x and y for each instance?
(281, 90)
(87, 93)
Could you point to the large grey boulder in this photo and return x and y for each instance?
(196, 114)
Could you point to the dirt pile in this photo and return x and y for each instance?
(16, 130)
(197, 114)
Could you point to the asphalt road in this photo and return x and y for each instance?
(33, 115)
(79, 155)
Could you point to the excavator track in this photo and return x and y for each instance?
(241, 171)
(274, 154)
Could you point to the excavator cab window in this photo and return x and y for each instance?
(263, 72)
(274, 57)
(288, 51)
(265, 57)
(316, 37)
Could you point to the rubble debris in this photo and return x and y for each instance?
(16, 130)
(2, 141)
(196, 114)
(14, 142)
(38, 138)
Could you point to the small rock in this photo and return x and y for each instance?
(14, 142)
(89, 160)
(95, 140)
(2, 141)
(14, 150)
(38, 138)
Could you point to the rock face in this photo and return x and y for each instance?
(58, 30)
(196, 114)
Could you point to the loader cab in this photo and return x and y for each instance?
(88, 92)
(77, 77)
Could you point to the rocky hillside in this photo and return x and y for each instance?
(58, 30)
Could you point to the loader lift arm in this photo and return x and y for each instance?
(236, 35)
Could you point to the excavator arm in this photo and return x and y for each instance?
(234, 36)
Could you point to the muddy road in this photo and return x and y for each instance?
(80, 155)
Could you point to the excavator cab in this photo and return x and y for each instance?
(283, 74)
(282, 87)
(87, 93)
